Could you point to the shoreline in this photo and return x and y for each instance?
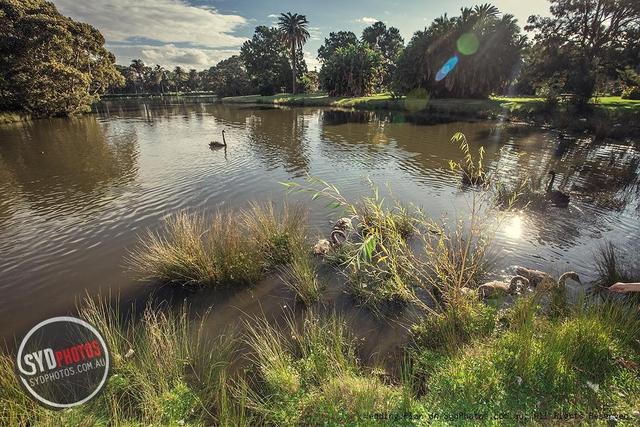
(609, 116)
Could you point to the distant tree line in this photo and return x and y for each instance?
(52, 65)
(584, 47)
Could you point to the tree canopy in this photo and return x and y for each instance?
(354, 70)
(582, 41)
(294, 33)
(229, 78)
(267, 61)
(471, 55)
(50, 64)
(334, 41)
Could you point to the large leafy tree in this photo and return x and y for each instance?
(50, 64)
(387, 41)
(471, 55)
(266, 60)
(294, 32)
(354, 70)
(582, 40)
(334, 41)
(229, 78)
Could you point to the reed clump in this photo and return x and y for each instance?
(310, 374)
(521, 195)
(300, 275)
(230, 248)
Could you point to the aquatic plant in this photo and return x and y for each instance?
(228, 249)
(378, 262)
(301, 276)
(471, 170)
(521, 195)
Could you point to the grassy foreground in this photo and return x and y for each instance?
(472, 365)
(543, 360)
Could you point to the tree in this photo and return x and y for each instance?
(468, 56)
(354, 70)
(179, 77)
(193, 80)
(229, 78)
(294, 34)
(50, 64)
(334, 41)
(266, 60)
(138, 72)
(582, 40)
(387, 41)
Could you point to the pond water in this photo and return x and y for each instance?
(75, 194)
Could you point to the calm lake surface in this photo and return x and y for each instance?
(75, 194)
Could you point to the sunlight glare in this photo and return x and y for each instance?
(513, 229)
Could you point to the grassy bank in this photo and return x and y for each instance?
(474, 364)
(607, 117)
(159, 95)
(387, 101)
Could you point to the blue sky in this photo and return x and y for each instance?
(199, 33)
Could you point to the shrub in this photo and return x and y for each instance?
(631, 92)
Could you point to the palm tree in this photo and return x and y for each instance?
(179, 76)
(193, 79)
(137, 67)
(158, 76)
(295, 34)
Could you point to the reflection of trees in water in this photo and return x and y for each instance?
(373, 138)
(66, 165)
(278, 138)
(150, 109)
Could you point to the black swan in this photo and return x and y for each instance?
(217, 144)
(556, 197)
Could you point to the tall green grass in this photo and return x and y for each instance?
(540, 365)
(309, 374)
(165, 371)
(231, 248)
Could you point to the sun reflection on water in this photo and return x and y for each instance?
(513, 227)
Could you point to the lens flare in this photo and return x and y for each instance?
(468, 44)
(416, 100)
(447, 68)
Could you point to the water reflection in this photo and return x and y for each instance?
(65, 167)
(75, 194)
(278, 138)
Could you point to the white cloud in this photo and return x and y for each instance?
(367, 20)
(146, 28)
(273, 15)
(312, 61)
(315, 33)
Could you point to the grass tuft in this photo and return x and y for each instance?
(227, 250)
